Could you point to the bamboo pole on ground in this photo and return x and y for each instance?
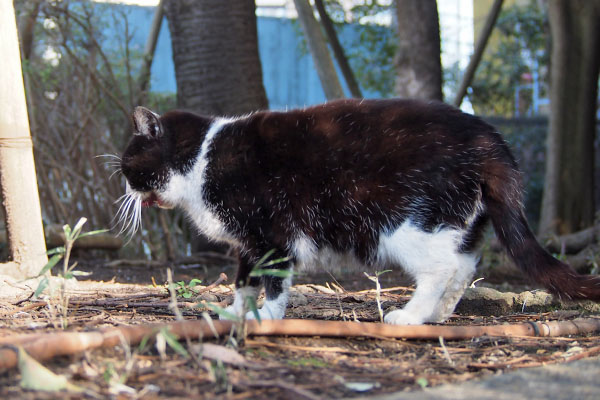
(17, 168)
(47, 345)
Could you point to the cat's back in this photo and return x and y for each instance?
(366, 133)
(388, 121)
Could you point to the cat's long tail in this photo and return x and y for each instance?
(502, 196)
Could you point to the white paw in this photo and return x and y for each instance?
(401, 317)
(231, 310)
(266, 313)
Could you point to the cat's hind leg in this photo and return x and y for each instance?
(440, 271)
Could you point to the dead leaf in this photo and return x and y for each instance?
(221, 353)
(35, 376)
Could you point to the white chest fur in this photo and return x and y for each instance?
(187, 191)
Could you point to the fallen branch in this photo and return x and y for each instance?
(527, 362)
(199, 258)
(584, 260)
(48, 345)
(573, 242)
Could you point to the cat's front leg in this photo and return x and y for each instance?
(276, 293)
(276, 276)
(246, 288)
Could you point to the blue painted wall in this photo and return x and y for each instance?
(289, 75)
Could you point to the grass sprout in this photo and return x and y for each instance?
(68, 270)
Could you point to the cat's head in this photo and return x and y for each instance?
(145, 162)
(161, 147)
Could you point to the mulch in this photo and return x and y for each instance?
(272, 367)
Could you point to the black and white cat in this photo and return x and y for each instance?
(372, 183)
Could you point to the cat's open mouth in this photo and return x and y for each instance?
(154, 200)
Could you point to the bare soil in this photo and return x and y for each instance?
(273, 367)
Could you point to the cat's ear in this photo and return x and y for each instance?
(146, 123)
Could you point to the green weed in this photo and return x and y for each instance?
(68, 271)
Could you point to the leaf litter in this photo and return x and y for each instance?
(237, 367)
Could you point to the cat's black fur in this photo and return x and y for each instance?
(343, 173)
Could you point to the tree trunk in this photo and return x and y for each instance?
(338, 50)
(149, 49)
(568, 201)
(320, 53)
(215, 51)
(418, 57)
(480, 46)
(17, 170)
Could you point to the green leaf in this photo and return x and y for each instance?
(51, 263)
(251, 301)
(56, 250)
(143, 343)
(423, 382)
(78, 227)
(280, 273)
(276, 261)
(195, 282)
(264, 258)
(187, 295)
(90, 233)
(173, 342)
(41, 286)
(67, 231)
(81, 273)
(222, 312)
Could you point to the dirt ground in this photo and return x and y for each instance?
(263, 367)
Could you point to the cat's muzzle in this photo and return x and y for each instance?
(153, 200)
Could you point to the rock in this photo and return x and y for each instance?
(535, 301)
(297, 299)
(485, 301)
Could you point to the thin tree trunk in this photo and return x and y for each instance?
(418, 57)
(568, 200)
(320, 53)
(17, 169)
(149, 50)
(338, 50)
(478, 52)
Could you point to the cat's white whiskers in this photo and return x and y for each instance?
(129, 213)
(108, 156)
(117, 171)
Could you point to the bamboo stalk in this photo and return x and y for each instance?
(20, 196)
(48, 345)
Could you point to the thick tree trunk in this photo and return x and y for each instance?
(17, 170)
(215, 51)
(320, 53)
(568, 201)
(418, 58)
